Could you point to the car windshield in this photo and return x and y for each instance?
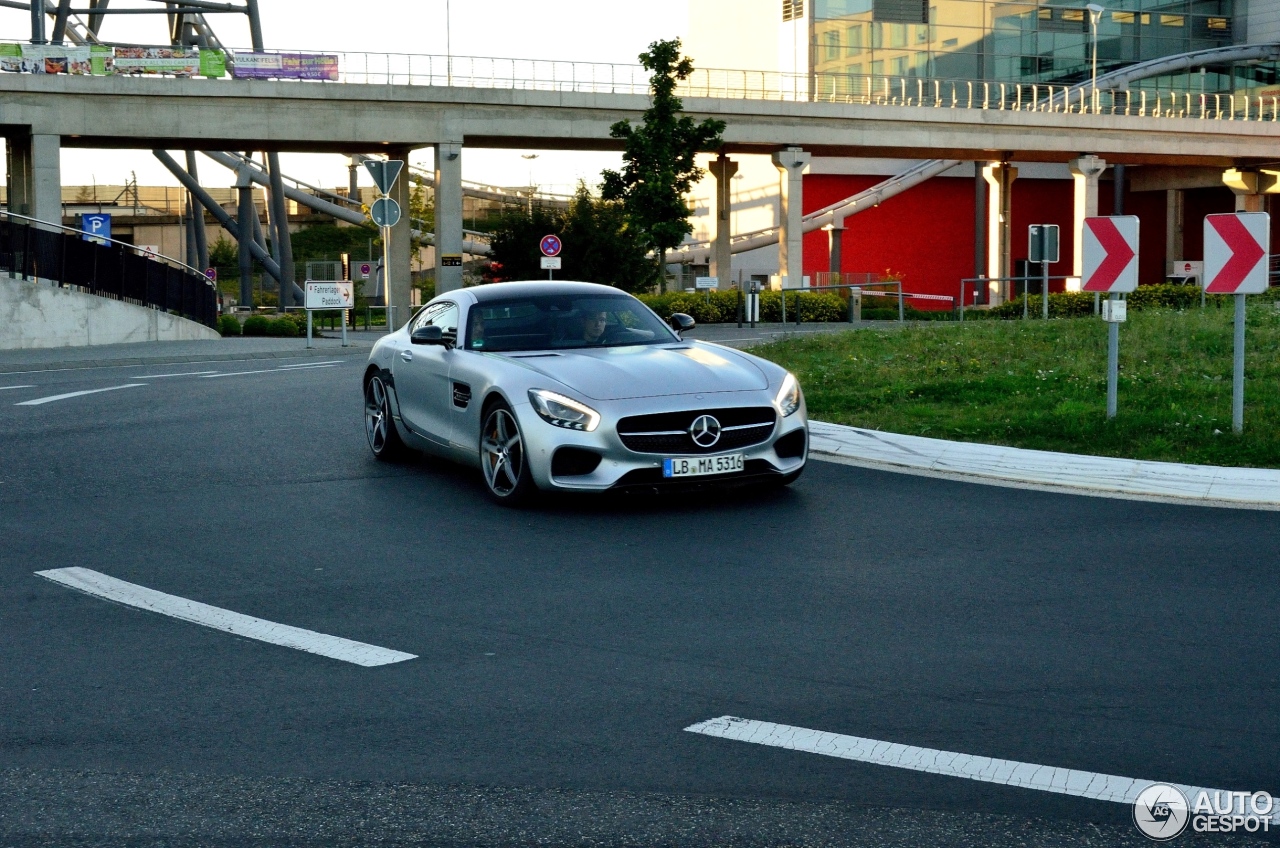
(559, 322)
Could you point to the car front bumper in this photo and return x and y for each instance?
(621, 467)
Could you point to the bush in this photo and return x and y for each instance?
(1079, 304)
(722, 307)
(256, 325)
(284, 327)
(228, 325)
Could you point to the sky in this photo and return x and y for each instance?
(569, 30)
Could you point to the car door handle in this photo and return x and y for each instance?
(406, 355)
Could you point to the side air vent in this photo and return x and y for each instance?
(461, 395)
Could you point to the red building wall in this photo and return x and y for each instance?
(926, 234)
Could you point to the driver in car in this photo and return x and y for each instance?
(593, 327)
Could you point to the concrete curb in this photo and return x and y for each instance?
(1093, 476)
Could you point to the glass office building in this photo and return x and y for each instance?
(1030, 42)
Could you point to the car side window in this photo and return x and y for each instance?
(424, 317)
(447, 320)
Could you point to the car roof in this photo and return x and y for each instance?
(528, 288)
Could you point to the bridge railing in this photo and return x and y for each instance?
(34, 249)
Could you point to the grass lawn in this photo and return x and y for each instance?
(1042, 384)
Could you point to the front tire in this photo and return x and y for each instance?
(507, 479)
(379, 427)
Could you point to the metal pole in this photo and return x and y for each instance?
(783, 292)
(309, 344)
(37, 22)
(901, 314)
(197, 218)
(255, 24)
(346, 314)
(1113, 361)
(245, 237)
(279, 219)
(1044, 290)
(797, 309)
(386, 274)
(1026, 297)
(1237, 370)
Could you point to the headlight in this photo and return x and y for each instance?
(562, 411)
(788, 399)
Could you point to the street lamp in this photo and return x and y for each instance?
(530, 157)
(1095, 14)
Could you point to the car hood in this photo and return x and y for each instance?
(616, 373)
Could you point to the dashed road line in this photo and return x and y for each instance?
(288, 369)
(51, 398)
(312, 364)
(184, 374)
(1063, 781)
(130, 594)
(9, 388)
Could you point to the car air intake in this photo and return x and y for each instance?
(573, 462)
(790, 445)
(668, 432)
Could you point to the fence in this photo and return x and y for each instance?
(115, 270)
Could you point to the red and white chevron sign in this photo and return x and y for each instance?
(1110, 254)
(1236, 246)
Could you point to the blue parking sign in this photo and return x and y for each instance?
(96, 228)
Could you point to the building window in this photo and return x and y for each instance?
(899, 66)
(831, 45)
(901, 11)
(792, 10)
(1173, 20)
(853, 39)
(897, 35)
(877, 36)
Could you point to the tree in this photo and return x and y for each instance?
(659, 155)
(599, 246)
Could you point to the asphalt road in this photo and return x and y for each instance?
(561, 650)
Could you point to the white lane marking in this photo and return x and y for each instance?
(1082, 784)
(131, 594)
(7, 388)
(268, 371)
(184, 374)
(312, 364)
(52, 398)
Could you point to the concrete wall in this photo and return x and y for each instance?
(40, 315)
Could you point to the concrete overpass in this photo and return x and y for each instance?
(39, 114)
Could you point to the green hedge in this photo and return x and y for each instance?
(288, 325)
(228, 325)
(1078, 304)
(722, 307)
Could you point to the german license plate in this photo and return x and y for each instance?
(694, 466)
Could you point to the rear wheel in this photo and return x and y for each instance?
(502, 457)
(384, 441)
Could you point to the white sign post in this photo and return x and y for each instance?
(385, 213)
(1237, 248)
(327, 295)
(1111, 265)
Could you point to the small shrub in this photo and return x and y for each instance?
(228, 325)
(282, 327)
(256, 325)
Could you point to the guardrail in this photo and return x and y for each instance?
(1142, 99)
(41, 250)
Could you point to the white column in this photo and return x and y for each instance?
(723, 168)
(448, 214)
(1084, 173)
(1245, 186)
(999, 177)
(791, 164)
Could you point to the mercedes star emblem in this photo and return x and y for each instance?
(705, 431)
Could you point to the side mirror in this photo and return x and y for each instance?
(681, 323)
(428, 335)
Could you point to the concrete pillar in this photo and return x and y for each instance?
(723, 168)
(1173, 224)
(791, 164)
(835, 245)
(35, 177)
(1084, 172)
(1246, 186)
(999, 177)
(449, 214)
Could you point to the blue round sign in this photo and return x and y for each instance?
(550, 245)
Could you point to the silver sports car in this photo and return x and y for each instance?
(576, 386)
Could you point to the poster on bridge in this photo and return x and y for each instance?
(289, 66)
(55, 59)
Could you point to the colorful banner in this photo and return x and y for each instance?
(290, 66)
(54, 59)
(147, 61)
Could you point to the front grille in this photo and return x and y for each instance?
(668, 432)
